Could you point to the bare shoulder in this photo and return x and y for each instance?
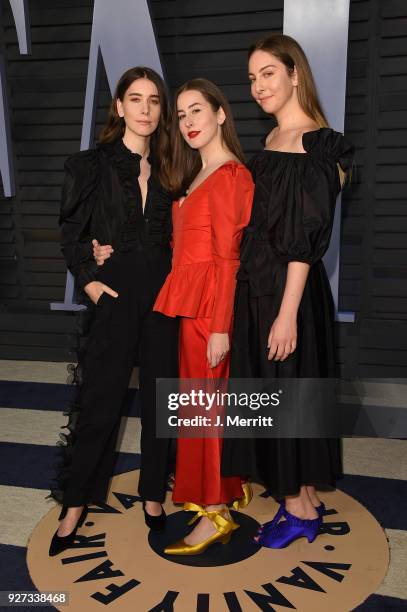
(289, 140)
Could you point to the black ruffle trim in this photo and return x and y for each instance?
(75, 377)
(331, 144)
(328, 144)
(127, 165)
(160, 225)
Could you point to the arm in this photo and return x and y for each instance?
(230, 205)
(306, 230)
(282, 340)
(75, 215)
(304, 235)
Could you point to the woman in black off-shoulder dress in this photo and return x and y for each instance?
(284, 311)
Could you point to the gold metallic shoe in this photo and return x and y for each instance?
(244, 501)
(224, 528)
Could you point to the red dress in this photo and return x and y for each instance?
(200, 288)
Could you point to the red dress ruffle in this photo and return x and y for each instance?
(207, 230)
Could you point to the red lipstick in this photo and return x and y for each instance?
(193, 134)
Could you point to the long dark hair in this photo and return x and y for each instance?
(186, 162)
(159, 141)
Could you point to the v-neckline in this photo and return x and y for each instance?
(143, 208)
(204, 181)
(143, 205)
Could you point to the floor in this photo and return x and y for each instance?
(32, 399)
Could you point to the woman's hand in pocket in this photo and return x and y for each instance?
(95, 290)
(101, 252)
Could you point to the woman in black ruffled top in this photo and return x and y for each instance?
(115, 195)
(284, 312)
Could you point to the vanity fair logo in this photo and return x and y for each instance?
(116, 564)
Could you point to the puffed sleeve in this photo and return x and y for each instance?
(230, 200)
(308, 213)
(77, 202)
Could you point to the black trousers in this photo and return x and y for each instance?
(124, 331)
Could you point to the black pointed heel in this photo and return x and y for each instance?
(155, 523)
(61, 543)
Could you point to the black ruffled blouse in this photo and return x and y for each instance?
(293, 209)
(101, 199)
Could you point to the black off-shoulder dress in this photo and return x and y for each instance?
(292, 218)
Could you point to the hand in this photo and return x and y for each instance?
(101, 253)
(218, 347)
(282, 340)
(95, 289)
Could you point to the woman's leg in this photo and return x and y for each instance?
(198, 477)
(303, 463)
(107, 366)
(158, 359)
(107, 373)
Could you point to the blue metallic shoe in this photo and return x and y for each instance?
(285, 532)
(270, 524)
(321, 510)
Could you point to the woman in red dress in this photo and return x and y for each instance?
(207, 224)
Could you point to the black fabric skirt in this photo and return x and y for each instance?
(283, 465)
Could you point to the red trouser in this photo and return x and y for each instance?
(198, 478)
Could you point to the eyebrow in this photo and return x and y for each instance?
(264, 68)
(134, 93)
(180, 110)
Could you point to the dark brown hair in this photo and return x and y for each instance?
(159, 141)
(186, 162)
(291, 54)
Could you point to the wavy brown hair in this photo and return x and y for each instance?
(160, 139)
(186, 162)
